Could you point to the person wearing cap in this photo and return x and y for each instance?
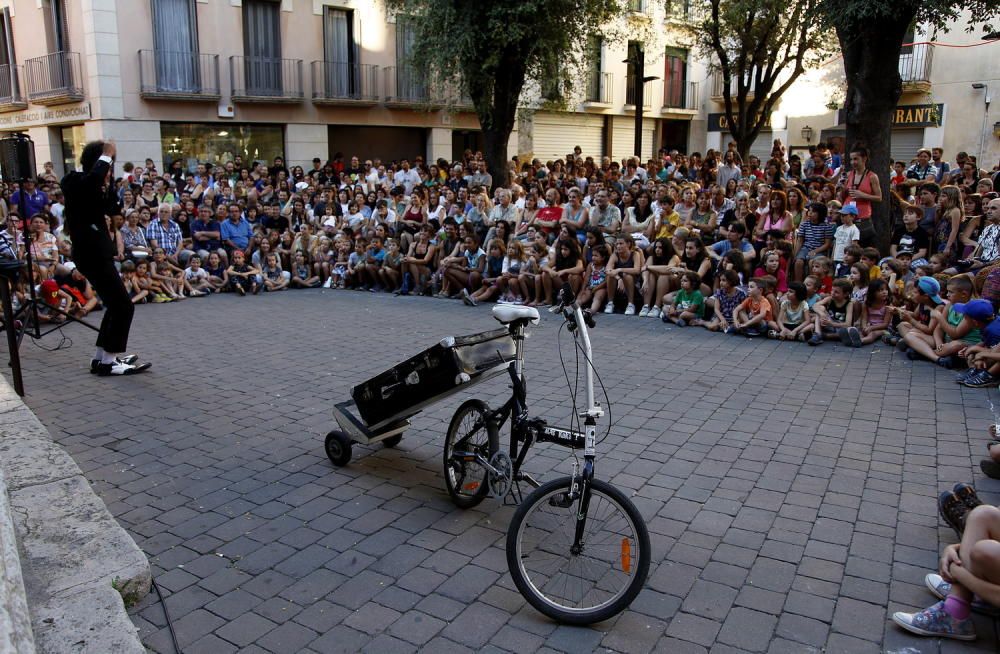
(928, 298)
(89, 197)
(955, 326)
(910, 237)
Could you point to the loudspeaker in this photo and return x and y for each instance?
(17, 158)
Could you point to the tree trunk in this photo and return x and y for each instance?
(871, 65)
(495, 153)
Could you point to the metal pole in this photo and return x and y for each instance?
(639, 82)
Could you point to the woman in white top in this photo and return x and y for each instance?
(638, 219)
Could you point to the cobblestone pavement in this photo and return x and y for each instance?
(789, 491)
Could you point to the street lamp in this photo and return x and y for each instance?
(807, 134)
(982, 136)
(638, 61)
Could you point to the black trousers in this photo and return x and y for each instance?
(118, 308)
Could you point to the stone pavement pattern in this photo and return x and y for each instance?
(789, 491)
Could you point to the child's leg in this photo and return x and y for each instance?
(875, 335)
(585, 296)
(599, 295)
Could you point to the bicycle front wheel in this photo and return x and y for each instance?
(598, 580)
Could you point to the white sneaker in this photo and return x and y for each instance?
(328, 282)
(610, 308)
(630, 310)
(653, 313)
(644, 311)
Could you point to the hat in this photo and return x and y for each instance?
(301, 186)
(931, 287)
(849, 208)
(70, 266)
(49, 291)
(981, 310)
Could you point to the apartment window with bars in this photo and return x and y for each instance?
(675, 77)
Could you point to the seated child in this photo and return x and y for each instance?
(595, 290)
(833, 313)
(196, 278)
(136, 293)
(688, 304)
(242, 277)
(953, 329)
(754, 315)
(876, 313)
(793, 315)
(725, 301)
(273, 275)
(301, 273)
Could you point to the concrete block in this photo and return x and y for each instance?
(16, 636)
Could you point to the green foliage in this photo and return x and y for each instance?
(492, 48)
(760, 47)
(937, 14)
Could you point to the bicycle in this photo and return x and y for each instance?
(577, 548)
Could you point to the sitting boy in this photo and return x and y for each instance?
(956, 326)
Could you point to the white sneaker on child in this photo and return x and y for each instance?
(328, 282)
(630, 310)
(644, 311)
(610, 308)
(653, 313)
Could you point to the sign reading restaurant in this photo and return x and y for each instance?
(910, 115)
(45, 116)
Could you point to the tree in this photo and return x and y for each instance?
(871, 34)
(760, 47)
(492, 48)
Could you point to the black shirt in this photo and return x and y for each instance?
(911, 241)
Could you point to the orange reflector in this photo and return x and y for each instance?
(472, 486)
(626, 555)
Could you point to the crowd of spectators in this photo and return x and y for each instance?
(784, 248)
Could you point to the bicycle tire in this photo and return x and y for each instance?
(466, 485)
(541, 595)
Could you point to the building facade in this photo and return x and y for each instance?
(209, 80)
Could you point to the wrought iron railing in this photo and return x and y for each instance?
(678, 94)
(11, 95)
(915, 63)
(599, 88)
(256, 78)
(178, 74)
(341, 80)
(647, 92)
(54, 77)
(718, 84)
(406, 83)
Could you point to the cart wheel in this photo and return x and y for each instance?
(338, 448)
(393, 441)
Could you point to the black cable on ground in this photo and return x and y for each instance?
(166, 614)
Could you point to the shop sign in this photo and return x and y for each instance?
(910, 115)
(718, 122)
(45, 116)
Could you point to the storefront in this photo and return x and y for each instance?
(554, 135)
(909, 126)
(623, 140)
(761, 146)
(220, 143)
(371, 142)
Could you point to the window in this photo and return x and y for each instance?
(595, 46)
(675, 78)
(678, 9)
(637, 6)
(219, 143)
(9, 89)
(340, 51)
(175, 39)
(57, 34)
(410, 82)
(262, 47)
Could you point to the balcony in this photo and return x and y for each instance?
(915, 67)
(647, 94)
(717, 84)
(54, 78)
(406, 85)
(599, 89)
(266, 79)
(11, 97)
(187, 76)
(680, 96)
(341, 82)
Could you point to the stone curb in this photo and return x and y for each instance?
(16, 636)
(80, 568)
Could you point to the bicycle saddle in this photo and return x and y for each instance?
(508, 313)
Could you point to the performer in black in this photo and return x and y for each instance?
(89, 197)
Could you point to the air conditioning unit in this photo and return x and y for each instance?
(226, 110)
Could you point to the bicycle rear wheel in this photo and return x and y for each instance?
(596, 583)
(469, 434)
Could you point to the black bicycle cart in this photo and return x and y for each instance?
(381, 407)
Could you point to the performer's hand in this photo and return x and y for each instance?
(109, 149)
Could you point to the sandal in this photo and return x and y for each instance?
(967, 494)
(990, 468)
(953, 511)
